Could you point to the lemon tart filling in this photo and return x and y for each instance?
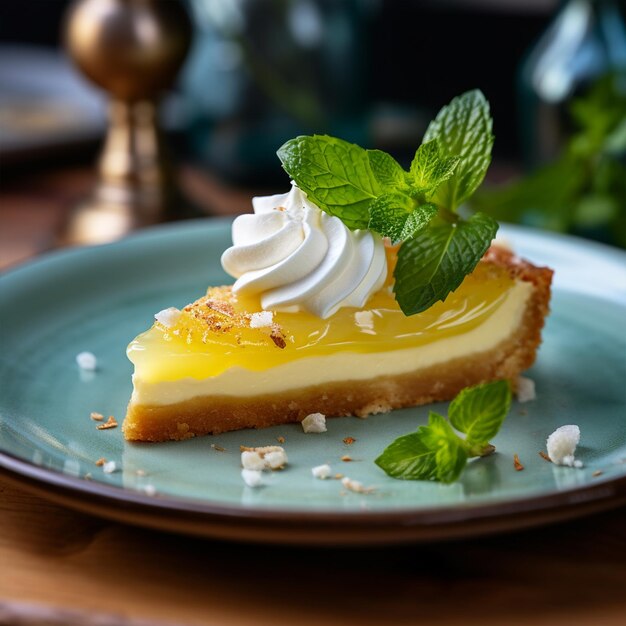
(189, 359)
(216, 333)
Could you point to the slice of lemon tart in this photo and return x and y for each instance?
(325, 316)
(227, 361)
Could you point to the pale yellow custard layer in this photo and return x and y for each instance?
(216, 352)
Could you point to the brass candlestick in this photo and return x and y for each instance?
(133, 49)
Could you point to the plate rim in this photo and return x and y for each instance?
(441, 522)
(311, 527)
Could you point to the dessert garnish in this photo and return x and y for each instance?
(561, 446)
(436, 452)
(87, 361)
(321, 471)
(368, 189)
(314, 423)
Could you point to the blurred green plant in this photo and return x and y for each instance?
(584, 190)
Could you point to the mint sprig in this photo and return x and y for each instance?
(435, 451)
(417, 208)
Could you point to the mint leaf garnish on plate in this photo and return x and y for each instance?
(418, 208)
(435, 451)
(436, 259)
(479, 411)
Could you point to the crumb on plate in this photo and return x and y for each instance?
(109, 467)
(110, 423)
(355, 486)
(561, 445)
(264, 457)
(321, 471)
(314, 423)
(87, 361)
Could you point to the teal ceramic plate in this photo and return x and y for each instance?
(98, 299)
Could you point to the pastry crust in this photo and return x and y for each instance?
(216, 414)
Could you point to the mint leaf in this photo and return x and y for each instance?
(410, 458)
(389, 213)
(429, 169)
(335, 175)
(479, 411)
(395, 215)
(435, 451)
(451, 455)
(387, 170)
(418, 219)
(436, 260)
(463, 129)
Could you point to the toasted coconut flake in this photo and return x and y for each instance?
(96, 417)
(355, 486)
(100, 462)
(278, 339)
(110, 423)
(517, 464)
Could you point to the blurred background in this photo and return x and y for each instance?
(251, 74)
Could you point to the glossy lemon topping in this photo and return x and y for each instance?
(214, 333)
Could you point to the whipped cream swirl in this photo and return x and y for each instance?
(297, 257)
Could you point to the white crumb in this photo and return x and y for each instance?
(87, 361)
(264, 458)
(321, 471)
(252, 478)
(109, 467)
(561, 445)
(149, 490)
(275, 460)
(252, 461)
(168, 317)
(262, 319)
(314, 423)
(355, 485)
(525, 389)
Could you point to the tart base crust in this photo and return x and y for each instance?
(217, 414)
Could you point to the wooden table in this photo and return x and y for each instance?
(60, 567)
